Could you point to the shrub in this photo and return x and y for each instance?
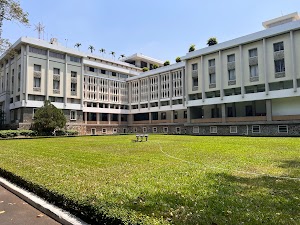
(145, 69)
(212, 41)
(155, 66)
(167, 63)
(71, 132)
(178, 59)
(192, 48)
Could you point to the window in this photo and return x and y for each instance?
(103, 71)
(185, 114)
(212, 78)
(279, 66)
(73, 115)
(154, 129)
(134, 130)
(56, 55)
(231, 74)
(249, 110)
(231, 58)
(114, 74)
(195, 81)
(230, 111)
(73, 86)
(55, 84)
(278, 46)
(175, 115)
(36, 82)
(104, 130)
(195, 66)
(233, 129)
(253, 52)
(165, 129)
(75, 59)
(37, 50)
(33, 112)
(93, 131)
(283, 129)
(178, 130)
(254, 71)
(115, 130)
(213, 129)
(37, 68)
(163, 116)
(211, 62)
(56, 71)
(144, 129)
(255, 129)
(91, 69)
(196, 130)
(73, 74)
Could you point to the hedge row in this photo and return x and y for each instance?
(30, 133)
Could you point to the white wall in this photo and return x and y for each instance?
(286, 106)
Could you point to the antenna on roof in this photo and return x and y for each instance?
(40, 28)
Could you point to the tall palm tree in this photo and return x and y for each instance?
(122, 56)
(113, 54)
(102, 50)
(77, 45)
(91, 48)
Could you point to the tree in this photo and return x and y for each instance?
(178, 59)
(212, 41)
(192, 48)
(166, 63)
(48, 118)
(155, 66)
(11, 10)
(102, 50)
(145, 69)
(91, 48)
(112, 54)
(122, 56)
(77, 45)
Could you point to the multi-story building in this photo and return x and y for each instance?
(245, 86)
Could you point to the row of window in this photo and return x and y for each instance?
(279, 66)
(255, 129)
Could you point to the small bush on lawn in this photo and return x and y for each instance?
(71, 132)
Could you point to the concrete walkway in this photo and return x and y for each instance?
(20, 207)
(14, 211)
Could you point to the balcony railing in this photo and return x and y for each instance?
(246, 119)
(253, 61)
(37, 74)
(207, 120)
(279, 55)
(286, 118)
(280, 74)
(194, 73)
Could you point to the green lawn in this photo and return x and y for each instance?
(167, 180)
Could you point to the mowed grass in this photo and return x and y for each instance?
(169, 179)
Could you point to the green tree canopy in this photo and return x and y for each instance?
(212, 41)
(48, 118)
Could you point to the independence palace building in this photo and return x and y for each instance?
(246, 86)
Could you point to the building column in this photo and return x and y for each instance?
(159, 90)
(293, 61)
(185, 94)
(269, 109)
(22, 75)
(188, 115)
(119, 119)
(82, 84)
(108, 117)
(242, 72)
(172, 116)
(97, 117)
(139, 94)
(65, 81)
(265, 67)
(149, 91)
(47, 77)
(223, 112)
(85, 117)
(203, 78)
(26, 73)
(170, 89)
(221, 77)
(150, 117)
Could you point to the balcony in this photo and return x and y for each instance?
(73, 93)
(160, 121)
(211, 69)
(254, 79)
(280, 74)
(37, 89)
(253, 61)
(232, 82)
(56, 91)
(231, 65)
(180, 120)
(194, 73)
(212, 85)
(74, 80)
(56, 77)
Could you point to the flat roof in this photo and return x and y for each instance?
(139, 56)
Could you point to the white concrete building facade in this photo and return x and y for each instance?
(246, 86)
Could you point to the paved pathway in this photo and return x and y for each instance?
(14, 211)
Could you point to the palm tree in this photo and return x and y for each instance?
(113, 54)
(102, 50)
(122, 56)
(91, 48)
(77, 45)
(212, 41)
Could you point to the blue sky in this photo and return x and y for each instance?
(162, 29)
